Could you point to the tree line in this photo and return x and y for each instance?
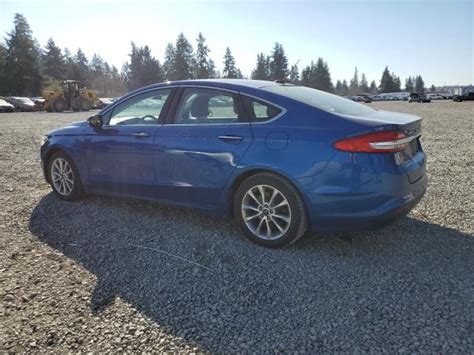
(26, 68)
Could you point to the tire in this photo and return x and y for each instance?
(59, 105)
(64, 191)
(84, 104)
(286, 215)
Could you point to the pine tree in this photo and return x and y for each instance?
(409, 87)
(345, 88)
(22, 60)
(338, 88)
(322, 77)
(54, 65)
(202, 69)
(212, 69)
(261, 70)
(354, 84)
(183, 63)
(230, 70)
(143, 68)
(3, 57)
(80, 68)
(419, 85)
(307, 75)
(433, 88)
(294, 74)
(389, 82)
(364, 85)
(278, 63)
(373, 88)
(168, 64)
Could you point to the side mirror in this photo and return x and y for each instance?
(95, 121)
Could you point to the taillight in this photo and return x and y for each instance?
(375, 142)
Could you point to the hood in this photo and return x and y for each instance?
(71, 129)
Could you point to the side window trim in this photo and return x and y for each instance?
(177, 100)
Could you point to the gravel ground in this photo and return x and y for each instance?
(98, 274)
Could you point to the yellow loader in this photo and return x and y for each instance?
(69, 97)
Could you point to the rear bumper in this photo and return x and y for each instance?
(347, 223)
(366, 201)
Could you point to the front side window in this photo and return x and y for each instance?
(204, 106)
(140, 109)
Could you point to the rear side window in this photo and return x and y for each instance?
(208, 106)
(260, 111)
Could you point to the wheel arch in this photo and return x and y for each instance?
(242, 176)
(49, 153)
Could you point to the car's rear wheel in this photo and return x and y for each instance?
(270, 211)
(64, 177)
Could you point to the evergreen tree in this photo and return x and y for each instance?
(345, 88)
(307, 75)
(168, 64)
(212, 69)
(230, 70)
(261, 71)
(409, 85)
(338, 88)
(317, 76)
(373, 88)
(183, 62)
(278, 63)
(22, 60)
(54, 65)
(202, 69)
(294, 74)
(143, 68)
(389, 82)
(3, 57)
(419, 85)
(433, 88)
(364, 85)
(354, 84)
(80, 68)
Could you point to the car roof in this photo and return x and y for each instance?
(223, 83)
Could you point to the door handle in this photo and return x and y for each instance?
(231, 138)
(140, 134)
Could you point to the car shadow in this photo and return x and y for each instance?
(198, 277)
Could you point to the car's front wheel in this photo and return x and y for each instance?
(270, 210)
(64, 177)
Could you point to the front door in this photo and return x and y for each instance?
(199, 149)
(120, 155)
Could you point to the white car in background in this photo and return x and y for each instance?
(6, 106)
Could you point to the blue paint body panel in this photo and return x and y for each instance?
(190, 165)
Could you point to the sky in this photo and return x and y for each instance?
(428, 37)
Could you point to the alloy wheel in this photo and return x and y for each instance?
(62, 176)
(266, 212)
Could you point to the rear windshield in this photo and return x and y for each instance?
(320, 99)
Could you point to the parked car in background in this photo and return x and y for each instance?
(415, 97)
(105, 101)
(468, 96)
(435, 97)
(39, 101)
(281, 159)
(6, 106)
(22, 103)
(366, 99)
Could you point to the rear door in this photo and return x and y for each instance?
(200, 145)
(120, 155)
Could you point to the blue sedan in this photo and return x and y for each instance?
(281, 159)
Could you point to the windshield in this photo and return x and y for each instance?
(320, 99)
